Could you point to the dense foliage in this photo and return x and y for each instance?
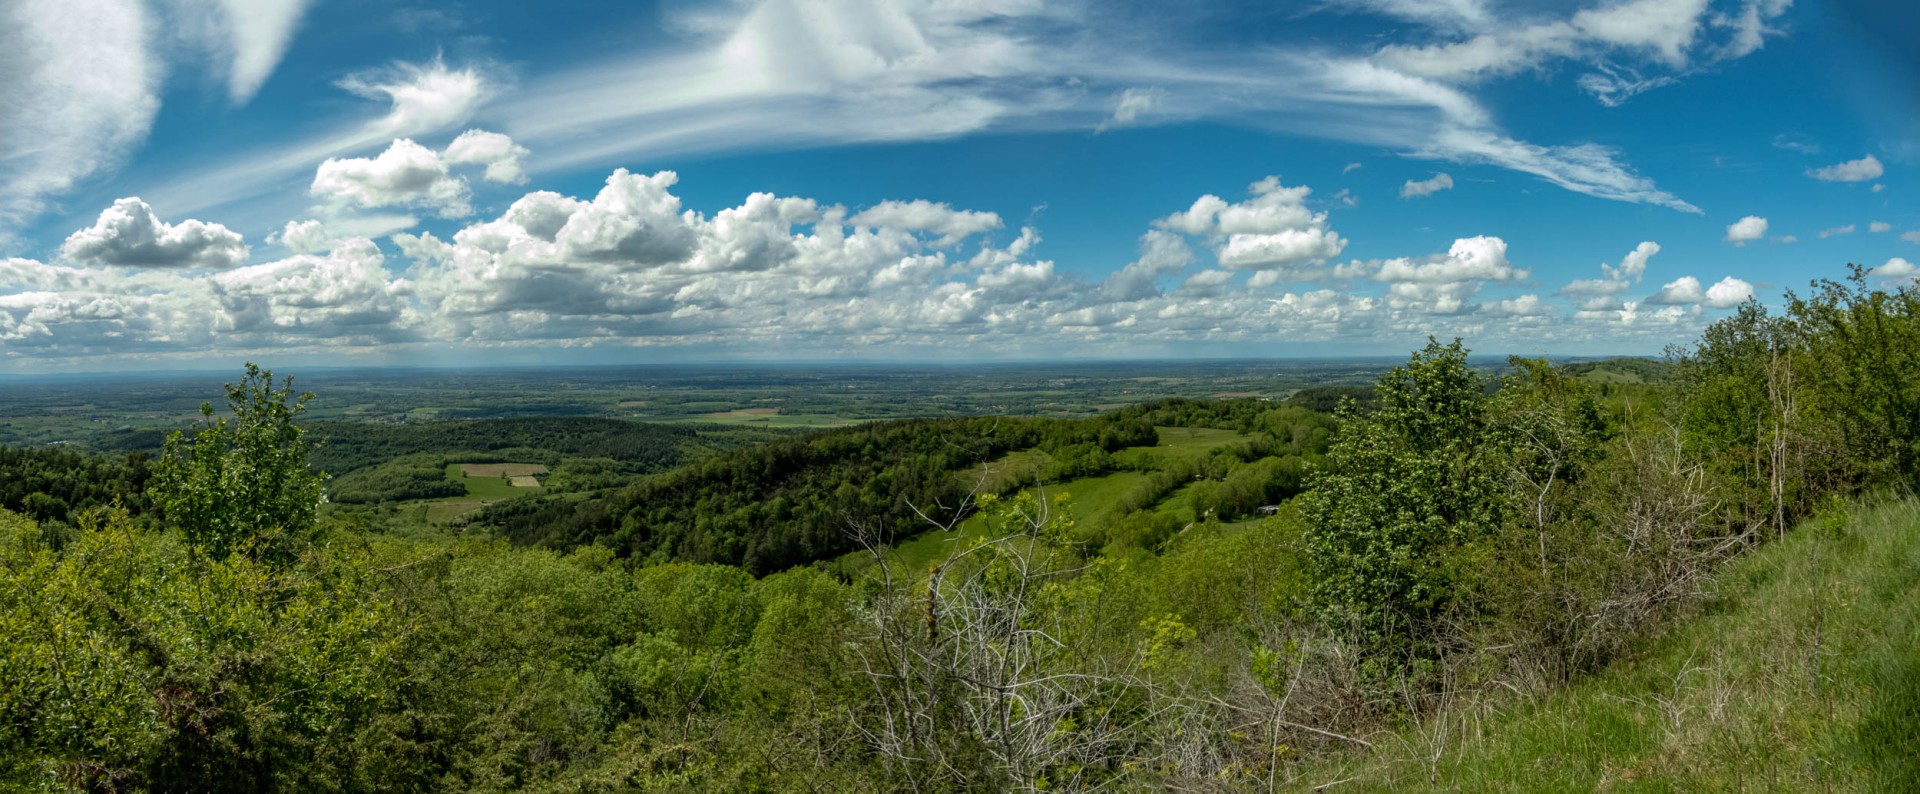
(387, 462)
(1462, 543)
(56, 485)
(417, 476)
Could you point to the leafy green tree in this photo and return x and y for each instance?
(242, 482)
(1408, 487)
(1861, 348)
(1735, 396)
(129, 665)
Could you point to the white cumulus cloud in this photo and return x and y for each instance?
(345, 296)
(1898, 270)
(1618, 279)
(305, 237)
(1687, 291)
(1272, 229)
(1746, 230)
(497, 152)
(129, 234)
(1862, 170)
(1426, 187)
(1523, 306)
(937, 218)
(1162, 254)
(1683, 291)
(406, 174)
(1443, 284)
(1728, 293)
(1469, 259)
(632, 265)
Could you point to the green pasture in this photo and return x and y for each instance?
(1091, 499)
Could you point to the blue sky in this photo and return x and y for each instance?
(185, 182)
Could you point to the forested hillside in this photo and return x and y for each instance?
(389, 462)
(800, 500)
(393, 462)
(1533, 581)
(55, 485)
(341, 447)
(769, 507)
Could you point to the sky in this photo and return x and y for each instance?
(369, 182)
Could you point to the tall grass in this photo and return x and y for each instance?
(1800, 672)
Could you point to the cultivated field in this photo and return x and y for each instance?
(486, 483)
(771, 417)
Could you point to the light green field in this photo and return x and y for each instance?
(481, 491)
(1180, 443)
(487, 488)
(1801, 674)
(761, 419)
(1194, 440)
(1092, 499)
(441, 511)
(1180, 504)
(1089, 499)
(1604, 375)
(1010, 469)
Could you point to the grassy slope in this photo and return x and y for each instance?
(1091, 497)
(1801, 674)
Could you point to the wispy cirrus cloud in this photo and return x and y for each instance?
(80, 89)
(785, 73)
(246, 38)
(81, 81)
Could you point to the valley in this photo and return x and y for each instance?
(1313, 576)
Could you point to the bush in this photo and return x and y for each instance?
(1408, 489)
